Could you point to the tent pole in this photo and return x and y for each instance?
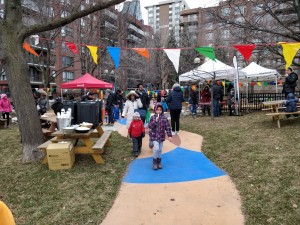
(276, 84)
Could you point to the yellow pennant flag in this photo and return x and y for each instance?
(258, 83)
(223, 83)
(27, 47)
(93, 51)
(143, 52)
(289, 51)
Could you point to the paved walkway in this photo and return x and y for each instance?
(189, 190)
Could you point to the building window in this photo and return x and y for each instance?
(64, 14)
(34, 75)
(239, 10)
(64, 47)
(67, 32)
(2, 13)
(226, 11)
(209, 26)
(1, 1)
(2, 75)
(68, 76)
(67, 61)
(87, 1)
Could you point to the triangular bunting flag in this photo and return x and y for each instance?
(245, 50)
(258, 83)
(223, 83)
(143, 52)
(27, 47)
(207, 52)
(289, 52)
(174, 56)
(72, 47)
(115, 54)
(93, 51)
(266, 83)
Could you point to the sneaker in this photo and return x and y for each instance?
(177, 132)
(173, 133)
(194, 115)
(136, 154)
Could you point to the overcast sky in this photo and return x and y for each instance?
(191, 4)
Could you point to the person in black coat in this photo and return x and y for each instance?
(143, 96)
(144, 99)
(175, 100)
(109, 107)
(120, 100)
(290, 82)
(217, 96)
(57, 106)
(193, 101)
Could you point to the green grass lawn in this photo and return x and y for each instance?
(82, 195)
(262, 160)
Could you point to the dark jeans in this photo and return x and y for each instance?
(6, 115)
(110, 113)
(206, 108)
(216, 106)
(137, 144)
(175, 115)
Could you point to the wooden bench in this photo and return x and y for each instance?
(276, 116)
(271, 109)
(103, 141)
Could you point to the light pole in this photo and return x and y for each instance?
(114, 74)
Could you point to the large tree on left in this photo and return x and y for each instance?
(13, 32)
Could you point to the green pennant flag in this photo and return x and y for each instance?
(266, 83)
(207, 52)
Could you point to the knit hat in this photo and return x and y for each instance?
(3, 96)
(136, 114)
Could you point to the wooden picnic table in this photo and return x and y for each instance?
(95, 150)
(274, 106)
(51, 118)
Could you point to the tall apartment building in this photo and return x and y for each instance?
(101, 28)
(164, 17)
(201, 23)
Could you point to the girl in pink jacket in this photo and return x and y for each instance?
(5, 108)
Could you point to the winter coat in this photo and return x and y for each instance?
(159, 129)
(217, 92)
(57, 107)
(120, 100)
(110, 101)
(144, 99)
(42, 105)
(290, 83)
(291, 103)
(193, 97)
(205, 96)
(5, 104)
(136, 128)
(129, 108)
(175, 99)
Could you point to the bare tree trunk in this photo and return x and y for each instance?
(19, 83)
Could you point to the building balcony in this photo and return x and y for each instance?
(132, 38)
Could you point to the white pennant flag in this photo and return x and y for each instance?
(174, 55)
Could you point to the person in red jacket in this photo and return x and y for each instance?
(205, 98)
(136, 131)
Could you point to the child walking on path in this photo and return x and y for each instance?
(159, 125)
(136, 131)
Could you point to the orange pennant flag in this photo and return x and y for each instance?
(143, 52)
(27, 47)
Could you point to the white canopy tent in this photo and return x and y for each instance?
(210, 70)
(255, 72)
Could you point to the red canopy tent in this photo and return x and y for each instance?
(86, 81)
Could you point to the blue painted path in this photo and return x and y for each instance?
(179, 165)
(122, 121)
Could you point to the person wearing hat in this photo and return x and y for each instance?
(290, 82)
(136, 131)
(133, 102)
